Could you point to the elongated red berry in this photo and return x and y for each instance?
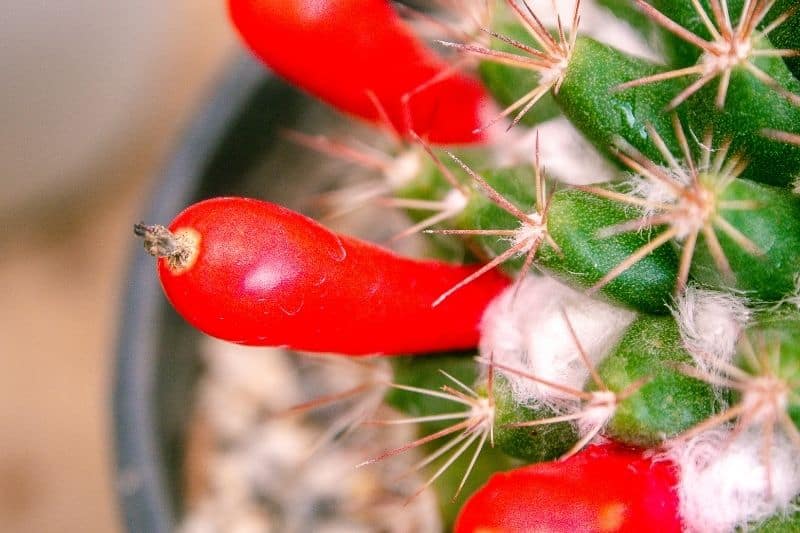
(343, 50)
(255, 273)
(602, 489)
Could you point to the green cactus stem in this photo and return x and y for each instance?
(668, 402)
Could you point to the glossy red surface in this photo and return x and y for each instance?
(340, 50)
(265, 275)
(602, 489)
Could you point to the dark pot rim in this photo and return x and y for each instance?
(140, 478)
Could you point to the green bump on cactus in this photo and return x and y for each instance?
(576, 221)
(685, 25)
(668, 402)
(482, 214)
(591, 98)
(426, 375)
(583, 76)
(763, 379)
(529, 233)
(432, 197)
(563, 232)
(750, 108)
(772, 352)
(533, 443)
(753, 89)
(529, 45)
(773, 226)
(735, 233)
(532, 434)
(589, 411)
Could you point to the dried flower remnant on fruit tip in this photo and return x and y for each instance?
(684, 197)
(730, 47)
(525, 240)
(178, 248)
(550, 60)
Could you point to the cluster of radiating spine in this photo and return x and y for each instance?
(704, 218)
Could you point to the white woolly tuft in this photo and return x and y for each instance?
(529, 232)
(726, 484)
(655, 192)
(710, 323)
(687, 220)
(598, 412)
(528, 332)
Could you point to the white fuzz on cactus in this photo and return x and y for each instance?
(729, 479)
(655, 193)
(710, 323)
(524, 329)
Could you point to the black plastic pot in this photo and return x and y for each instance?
(156, 364)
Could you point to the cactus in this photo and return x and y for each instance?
(658, 310)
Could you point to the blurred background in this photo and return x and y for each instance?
(94, 96)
